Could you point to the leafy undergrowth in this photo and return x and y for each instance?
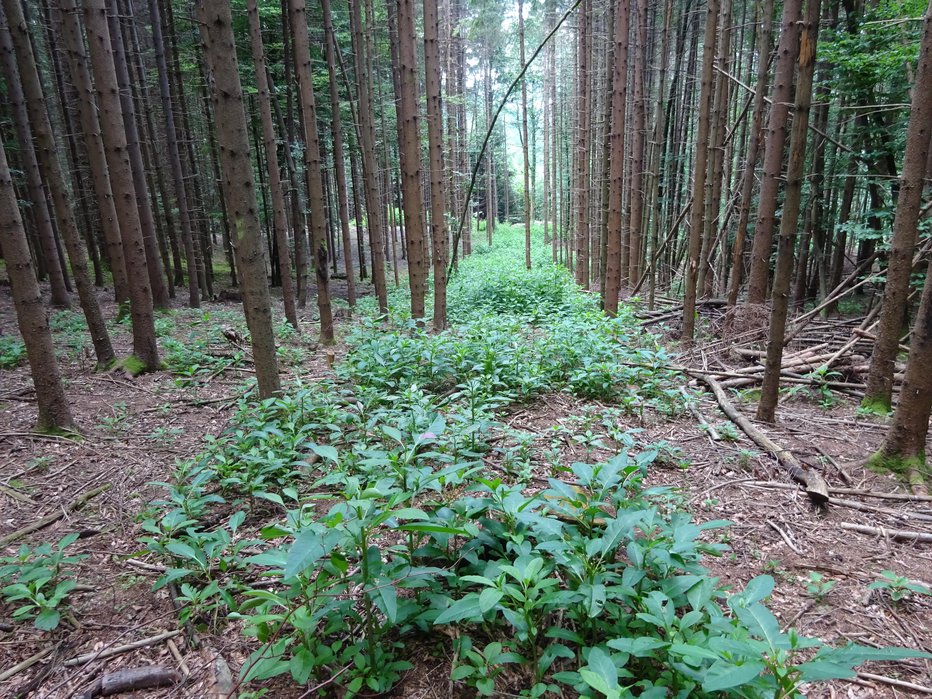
(351, 526)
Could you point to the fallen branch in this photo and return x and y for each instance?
(783, 535)
(815, 486)
(907, 497)
(176, 654)
(895, 534)
(700, 418)
(16, 495)
(131, 680)
(117, 650)
(854, 505)
(895, 682)
(75, 504)
(26, 664)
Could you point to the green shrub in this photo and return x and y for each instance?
(12, 351)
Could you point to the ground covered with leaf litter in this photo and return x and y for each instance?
(525, 505)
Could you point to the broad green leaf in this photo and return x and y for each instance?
(762, 622)
(757, 589)
(309, 546)
(47, 620)
(689, 651)
(386, 593)
(602, 663)
(724, 675)
(465, 608)
(325, 451)
(488, 598)
(640, 647)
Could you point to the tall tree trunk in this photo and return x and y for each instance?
(524, 145)
(370, 165)
(236, 167)
(616, 162)
(697, 212)
(781, 98)
(313, 165)
(215, 165)
(491, 213)
(713, 193)
(54, 413)
(636, 221)
(43, 222)
(339, 160)
(166, 217)
(96, 154)
(46, 153)
(159, 291)
(899, 266)
(203, 248)
(113, 132)
(438, 209)
(904, 448)
(410, 155)
(66, 101)
(581, 184)
(750, 163)
(279, 223)
(174, 156)
(298, 218)
(766, 409)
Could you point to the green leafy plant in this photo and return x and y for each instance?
(898, 587)
(12, 351)
(37, 581)
(480, 668)
(818, 587)
(343, 524)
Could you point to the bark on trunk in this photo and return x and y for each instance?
(899, 267)
(46, 153)
(54, 413)
(279, 223)
(43, 221)
(236, 168)
(410, 156)
(766, 409)
(906, 442)
(370, 165)
(438, 209)
(750, 163)
(581, 184)
(150, 243)
(700, 167)
(524, 146)
(113, 133)
(339, 160)
(781, 98)
(616, 162)
(94, 145)
(313, 165)
(174, 156)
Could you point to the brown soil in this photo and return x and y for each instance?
(775, 531)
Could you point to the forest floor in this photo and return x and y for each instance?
(137, 429)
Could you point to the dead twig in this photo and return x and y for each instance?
(905, 497)
(895, 683)
(783, 535)
(26, 664)
(118, 650)
(894, 534)
(815, 486)
(75, 504)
